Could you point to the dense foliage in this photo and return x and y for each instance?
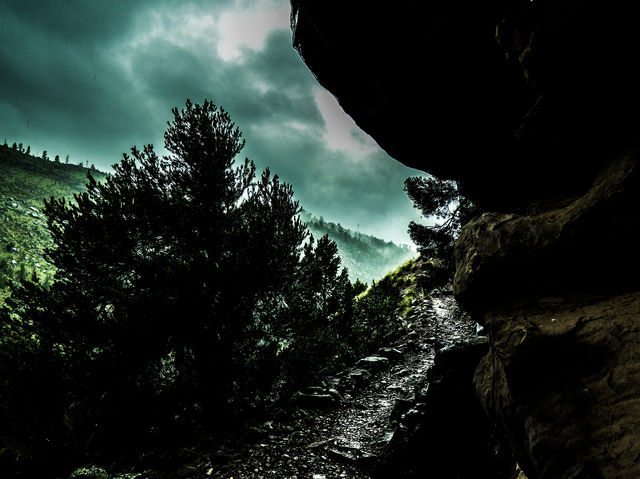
(187, 292)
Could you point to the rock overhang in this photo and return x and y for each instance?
(522, 102)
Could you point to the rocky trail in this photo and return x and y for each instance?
(344, 425)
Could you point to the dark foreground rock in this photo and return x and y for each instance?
(373, 363)
(563, 380)
(443, 431)
(314, 400)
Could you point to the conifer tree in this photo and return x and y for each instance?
(161, 271)
(322, 306)
(440, 200)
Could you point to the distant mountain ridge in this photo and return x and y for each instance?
(366, 257)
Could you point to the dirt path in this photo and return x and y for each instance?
(343, 441)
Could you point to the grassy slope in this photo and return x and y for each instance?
(366, 257)
(411, 279)
(24, 182)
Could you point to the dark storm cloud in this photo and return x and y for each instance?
(93, 78)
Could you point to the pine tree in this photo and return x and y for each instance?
(162, 274)
(375, 315)
(441, 200)
(322, 309)
(359, 287)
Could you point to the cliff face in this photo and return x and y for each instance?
(532, 106)
(554, 290)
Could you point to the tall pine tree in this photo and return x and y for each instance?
(161, 270)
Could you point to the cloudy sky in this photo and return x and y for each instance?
(92, 78)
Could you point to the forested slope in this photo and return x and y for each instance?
(366, 257)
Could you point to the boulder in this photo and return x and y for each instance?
(401, 406)
(372, 363)
(359, 376)
(391, 354)
(314, 400)
(443, 432)
(557, 291)
(353, 455)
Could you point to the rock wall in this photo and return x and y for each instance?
(532, 106)
(558, 293)
(563, 379)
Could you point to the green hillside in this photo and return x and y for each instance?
(366, 257)
(24, 182)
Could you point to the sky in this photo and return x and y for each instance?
(93, 78)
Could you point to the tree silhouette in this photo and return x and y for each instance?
(322, 309)
(187, 292)
(163, 271)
